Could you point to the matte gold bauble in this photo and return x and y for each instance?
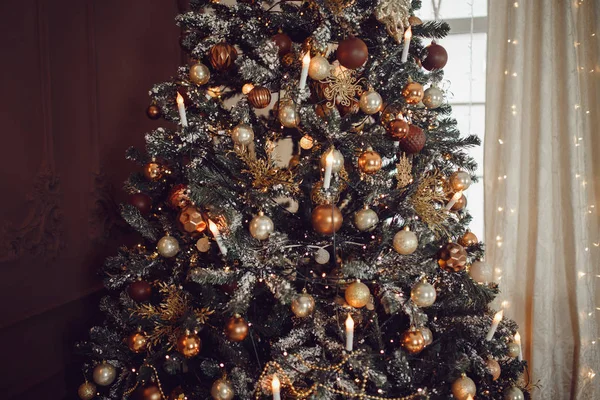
(222, 56)
(236, 329)
(153, 171)
(370, 102)
(191, 220)
(222, 390)
(433, 97)
(413, 92)
(259, 97)
(468, 239)
(460, 180)
(167, 246)
(288, 116)
(137, 342)
(307, 142)
(412, 340)
(427, 335)
(87, 391)
(369, 162)
(337, 162)
(365, 219)
(261, 226)
(493, 368)
(242, 134)
(453, 257)
(326, 219)
(513, 350)
(319, 68)
(303, 305)
(203, 244)
(513, 393)
(189, 344)
(150, 391)
(463, 387)
(423, 294)
(104, 374)
(199, 74)
(357, 294)
(405, 242)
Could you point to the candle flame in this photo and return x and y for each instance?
(469, 397)
(213, 227)
(275, 384)
(349, 323)
(329, 158)
(408, 33)
(306, 59)
(498, 316)
(179, 98)
(517, 338)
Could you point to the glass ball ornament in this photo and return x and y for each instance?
(405, 242)
(153, 171)
(370, 102)
(283, 43)
(398, 128)
(326, 219)
(460, 180)
(322, 256)
(167, 246)
(104, 374)
(261, 226)
(468, 239)
(307, 142)
(86, 391)
(337, 162)
(369, 162)
(153, 111)
(481, 272)
(189, 344)
(513, 393)
(413, 92)
(433, 97)
(288, 116)
(365, 220)
(137, 342)
(493, 368)
(303, 305)
(222, 389)
(352, 52)
(390, 112)
(513, 350)
(139, 291)
(464, 387)
(319, 68)
(199, 74)
(423, 294)
(236, 329)
(412, 341)
(427, 335)
(434, 57)
(242, 134)
(357, 294)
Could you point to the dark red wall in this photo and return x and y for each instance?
(74, 78)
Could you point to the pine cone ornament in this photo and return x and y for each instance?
(414, 141)
(453, 258)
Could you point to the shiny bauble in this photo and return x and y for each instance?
(391, 112)
(322, 256)
(153, 111)
(203, 244)
(423, 294)
(427, 335)
(307, 142)
(236, 329)
(460, 204)
(222, 390)
(222, 56)
(137, 342)
(412, 341)
(261, 227)
(319, 68)
(259, 97)
(189, 344)
(468, 239)
(357, 294)
(365, 220)
(140, 291)
(352, 53)
(303, 305)
(153, 171)
(513, 350)
(191, 220)
(493, 368)
(452, 257)
(242, 134)
(283, 43)
(87, 391)
(326, 219)
(104, 374)
(288, 116)
(481, 272)
(414, 141)
(405, 242)
(434, 56)
(513, 393)
(142, 202)
(433, 97)
(413, 92)
(247, 88)
(179, 197)
(149, 391)
(167, 246)
(337, 162)
(199, 74)
(370, 102)
(460, 180)
(398, 129)
(369, 162)
(463, 387)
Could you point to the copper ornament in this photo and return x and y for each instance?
(259, 97)
(222, 56)
(453, 257)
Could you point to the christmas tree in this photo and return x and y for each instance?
(345, 272)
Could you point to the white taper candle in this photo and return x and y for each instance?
(181, 107)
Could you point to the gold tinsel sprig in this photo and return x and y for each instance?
(428, 201)
(265, 174)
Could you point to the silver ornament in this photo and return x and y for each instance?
(423, 294)
(288, 116)
(370, 102)
(261, 227)
(167, 246)
(104, 374)
(222, 390)
(514, 350)
(303, 305)
(464, 387)
(87, 391)
(405, 242)
(365, 219)
(199, 74)
(322, 256)
(427, 335)
(242, 134)
(319, 68)
(513, 393)
(433, 97)
(481, 272)
(460, 180)
(338, 160)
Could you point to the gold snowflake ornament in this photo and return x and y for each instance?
(342, 86)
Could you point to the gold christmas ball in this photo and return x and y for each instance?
(513, 393)
(460, 180)
(468, 239)
(433, 97)
(259, 97)
(365, 220)
(412, 340)
(236, 329)
(327, 219)
(242, 134)
(303, 305)
(460, 204)
(189, 344)
(513, 350)
(453, 257)
(357, 294)
(319, 68)
(168, 246)
(307, 142)
(405, 242)
(137, 342)
(222, 390)
(87, 391)
(191, 220)
(199, 74)
(104, 374)
(222, 56)
(247, 88)
(288, 116)
(153, 171)
(203, 244)
(423, 294)
(427, 335)
(413, 92)
(369, 162)
(337, 162)
(261, 226)
(481, 272)
(464, 387)
(150, 391)
(493, 368)
(370, 102)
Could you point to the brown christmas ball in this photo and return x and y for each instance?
(283, 43)
(87, 391)
(142, 202)
(140, 291)
(493, 368)
(326, 219)
(468, 239)
(222, 56)
(357, 294)
(460, 204)
(412, 340)
(153, 111)
(369, 162)
(398, 129)
(137, 342)
(179, 196)
(189, 344)
(414, 141)
(153, 171)
(236, 329)
(149, 391)
(352, 53)
(413, 92)
(191, 220)
(259, 97)
(434, 57)
(390, 112)
(452, 257)
(353, 108)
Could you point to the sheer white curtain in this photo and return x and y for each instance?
(542, 185)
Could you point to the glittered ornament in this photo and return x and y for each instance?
(370, 102)
(153, 171)
(86, 391)
(303, 305)
(322, 256)
(412, 341)
(513, 350)
(137, 342)
(236, 329)
(352, 53)
(203, 244)
(481, 272)
(104, 374)
(149, 391)
(357, 294)
(283, 43)
(153, 111)
(222, 389)
(167, 246)
(414, 141)
(365, 219)
(326, 219)
(199, 74)
(433, 97)
(460, 180)
(288, 115)
(319, 68)
(405, 241)
(307, 142)
(259, 97)
(398, 128)
(261, 226)
(463, 387)
(369, 162)
(413, 92)
(337, 163)
(434, 56)
(222, 56)
(140, 291)
(423, 294)
(513, 393)
(427, 335)
(141, 201)
(452, 257)
(242, 134)
(493, 368)
(179, 197)
(189, 344)
(191, 220)
(468, 239)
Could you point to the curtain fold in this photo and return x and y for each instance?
(542, 185)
